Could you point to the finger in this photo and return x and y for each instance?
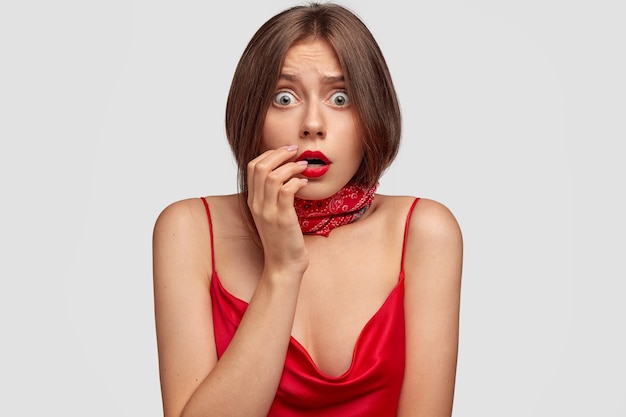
(253, 190)
(277, 178)
(260, 168)
(276, 156)
(288, 192)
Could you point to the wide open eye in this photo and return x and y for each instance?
(284, 98)
(340, 99)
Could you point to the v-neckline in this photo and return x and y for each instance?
(302, 349)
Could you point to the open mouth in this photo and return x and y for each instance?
(318, 163)
(315, 162)
(314, 158)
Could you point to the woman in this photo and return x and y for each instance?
(307, 293)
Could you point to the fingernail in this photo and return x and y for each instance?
(291, 147)
(304, 180)
(302, 162)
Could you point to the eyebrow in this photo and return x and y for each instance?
(328, 80)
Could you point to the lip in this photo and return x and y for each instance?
(316, 171)
(313, 155)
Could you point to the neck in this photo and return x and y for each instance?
(320, 217)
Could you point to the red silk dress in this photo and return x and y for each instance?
(370, 387)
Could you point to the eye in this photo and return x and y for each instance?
(284, 98)
(340, 99)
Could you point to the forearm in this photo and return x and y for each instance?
(245, 379)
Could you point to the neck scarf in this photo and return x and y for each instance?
(320, 217)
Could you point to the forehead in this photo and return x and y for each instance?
(312, 53)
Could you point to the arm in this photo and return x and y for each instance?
(181, 274)
(433, 265)
(244, 381)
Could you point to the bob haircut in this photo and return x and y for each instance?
(368, 84)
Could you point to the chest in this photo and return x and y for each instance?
(339, 296)
(366, 383)
(348, 281)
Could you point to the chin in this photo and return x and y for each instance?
(317, 191)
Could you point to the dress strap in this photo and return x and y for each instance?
(406, 232)
(208, 215)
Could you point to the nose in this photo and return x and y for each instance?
(313, 125)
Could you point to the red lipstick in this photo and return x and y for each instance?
(319, 164)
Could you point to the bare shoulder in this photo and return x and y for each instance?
(180, 239)
(434, 235)
(429, 219)
(184, 227)
(180, 215)
(191, 215)
(433, 223)
(434, 245)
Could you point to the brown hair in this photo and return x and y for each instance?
(368, 84)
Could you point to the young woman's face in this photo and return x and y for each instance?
(311, 109)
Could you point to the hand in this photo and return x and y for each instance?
(271, 190)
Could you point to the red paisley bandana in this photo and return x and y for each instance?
(319, 217)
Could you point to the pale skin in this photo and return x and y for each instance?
(319, 290)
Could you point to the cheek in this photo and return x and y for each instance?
(273, 134)
(356, 144)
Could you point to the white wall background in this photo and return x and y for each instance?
(514, 118)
